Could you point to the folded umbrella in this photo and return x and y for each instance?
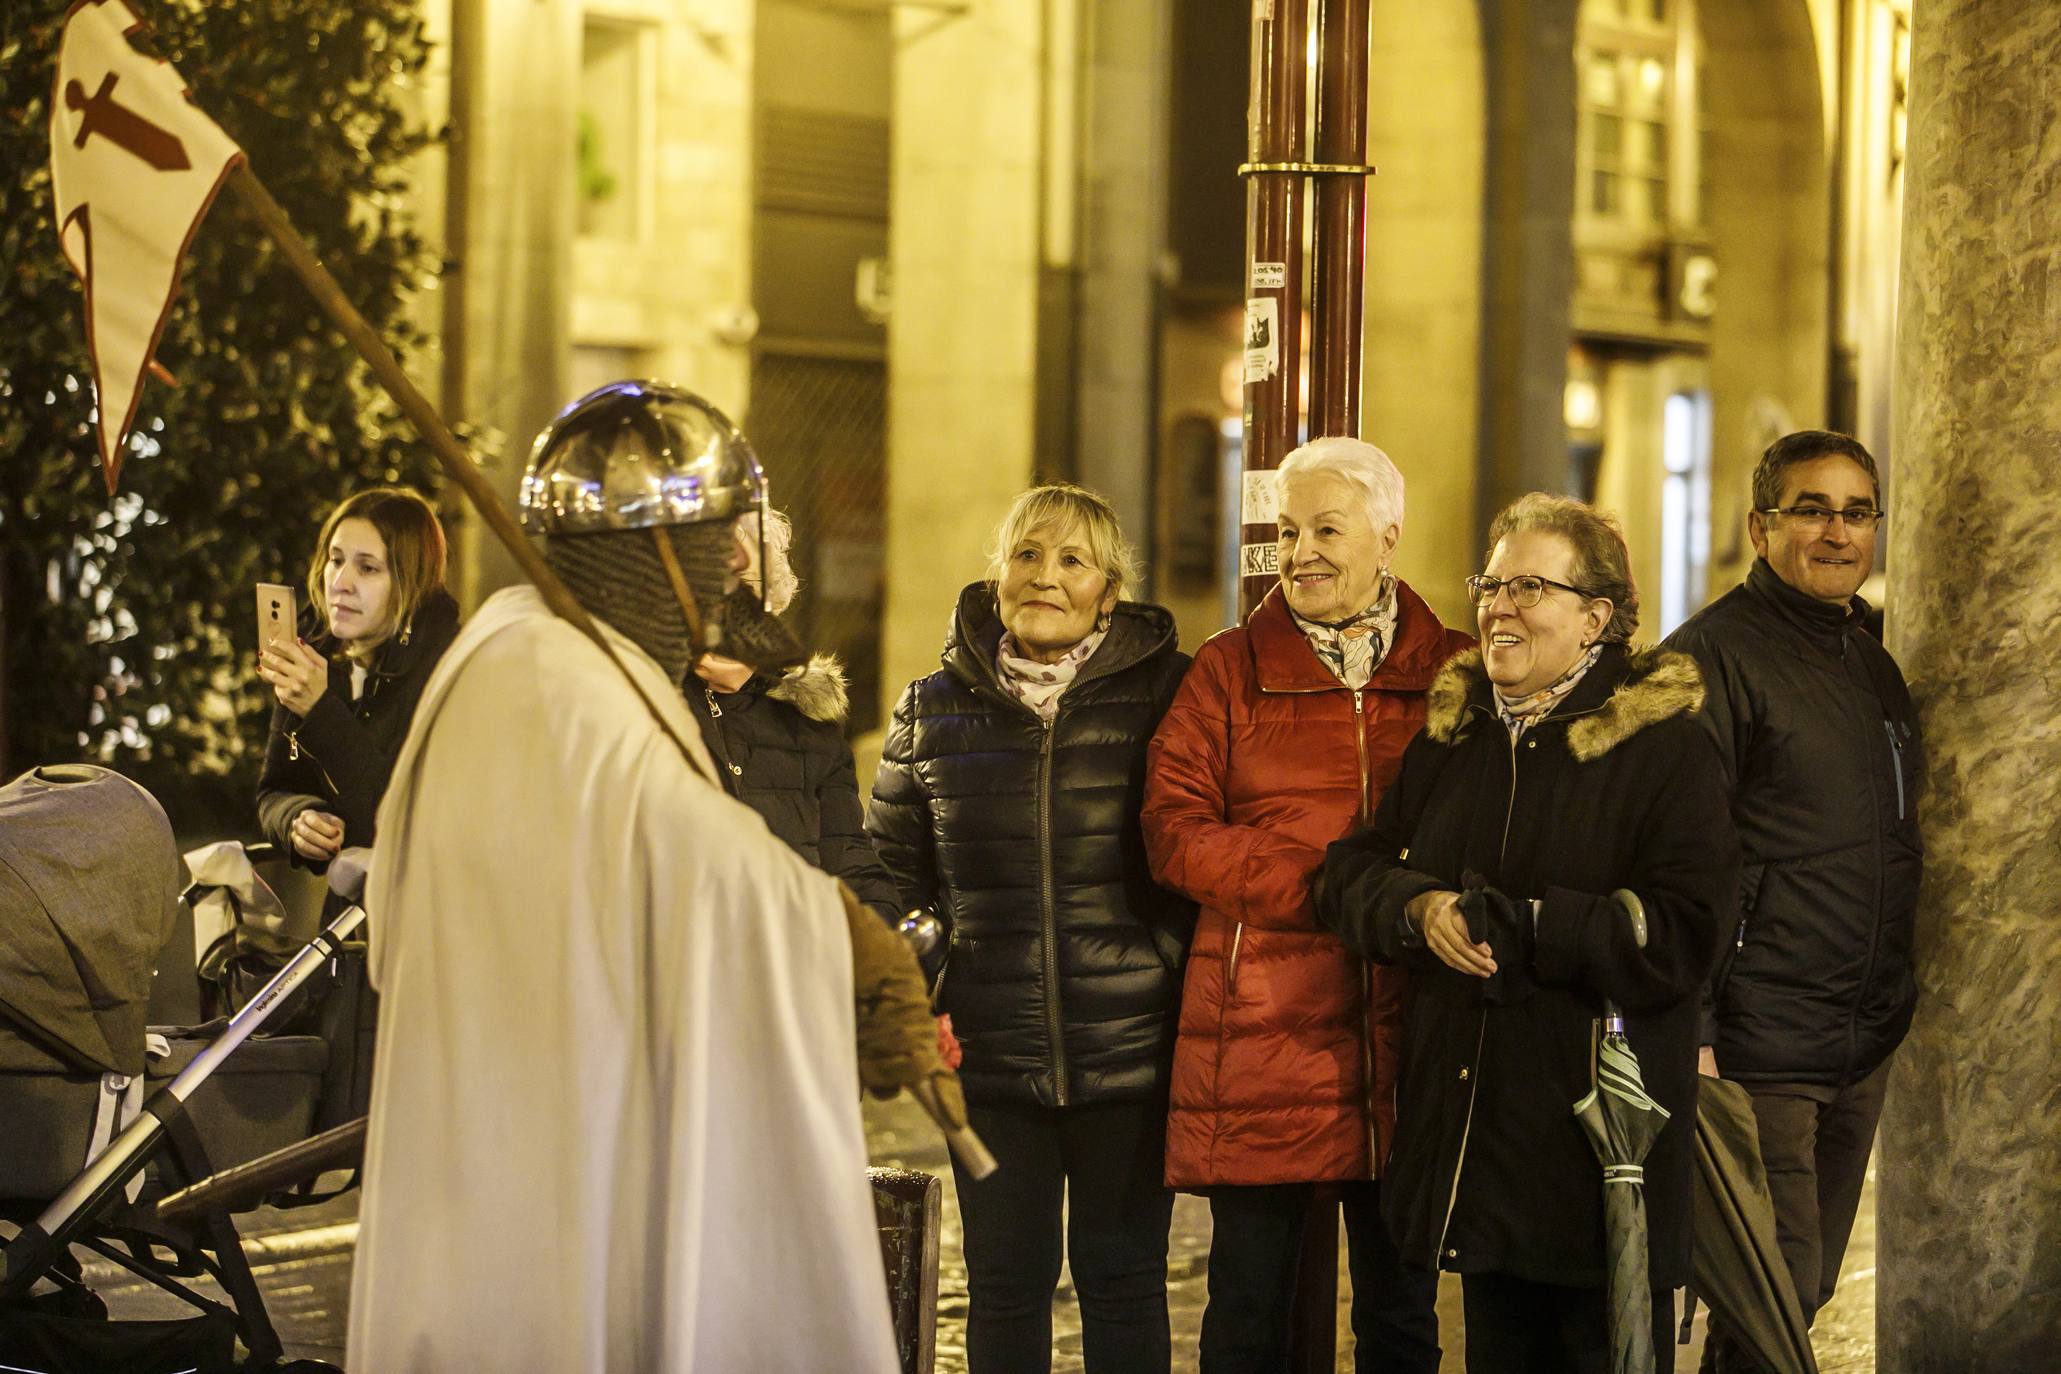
(1622, 1123)
(1736, 1267)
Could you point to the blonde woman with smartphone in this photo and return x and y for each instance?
(346, 684)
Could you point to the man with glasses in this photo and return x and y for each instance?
(1813, 989)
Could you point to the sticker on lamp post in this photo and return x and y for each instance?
(1257, 505)
(1262, 338)
(1259, 560)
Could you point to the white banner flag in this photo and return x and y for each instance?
(134, 165)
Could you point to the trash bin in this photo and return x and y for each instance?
(909, 1208)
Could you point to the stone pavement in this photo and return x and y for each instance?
(302, 1261)
(1844, 1336)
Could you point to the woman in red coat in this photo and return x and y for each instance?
(1282, 738)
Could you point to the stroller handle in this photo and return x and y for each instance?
(129, 1152)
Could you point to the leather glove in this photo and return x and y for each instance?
(1500, 923)
(898, 1037)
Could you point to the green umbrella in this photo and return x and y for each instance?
(1622, 1123)
(1737, 1267)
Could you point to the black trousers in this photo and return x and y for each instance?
(1515, 1326)
(1107, 1163)
(1255, 1242)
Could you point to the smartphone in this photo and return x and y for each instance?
(276, 615)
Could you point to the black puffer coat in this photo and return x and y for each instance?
(1064, 975)
(1820, 746)
(339, 758)
(779, 745)
(1617, 788)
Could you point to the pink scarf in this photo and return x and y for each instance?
(1039, 685)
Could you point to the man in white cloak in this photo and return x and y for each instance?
(615, 1119)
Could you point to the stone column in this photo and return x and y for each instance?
(514, 87)
(1969, 1160)
(968, 241)
(1121, 240)
(1527, 250)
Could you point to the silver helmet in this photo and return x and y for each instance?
(638, 455)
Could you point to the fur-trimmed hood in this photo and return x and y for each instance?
(1607, 708)
(817, 689)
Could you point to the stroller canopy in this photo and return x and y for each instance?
(89, 884)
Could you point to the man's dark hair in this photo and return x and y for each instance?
(1801, 447)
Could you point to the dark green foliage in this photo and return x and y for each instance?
(126, 627)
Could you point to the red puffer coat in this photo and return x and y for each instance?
(1284, 1071)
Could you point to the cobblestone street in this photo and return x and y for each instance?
(302, 1261)
(1844, 1336)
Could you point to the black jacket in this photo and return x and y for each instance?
(1617, 788)
(779, 747)
(1065, 968)
(1820, 747)
(339, 758)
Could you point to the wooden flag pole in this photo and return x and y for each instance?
(459, 467)
(457, 464)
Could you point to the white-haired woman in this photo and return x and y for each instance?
(1007, 802)
(779, 742)
(1283, 738)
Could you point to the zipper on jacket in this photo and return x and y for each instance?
(715, 711)
(1367, 1071)
(1048, 909)
(1481, 1038)
(1466, 1128)
(1509, 811)
(1231, 973)
(1896, 763)
(1367, 970)
(294, 749)
(1360, 745)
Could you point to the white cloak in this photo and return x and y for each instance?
(615, 1118)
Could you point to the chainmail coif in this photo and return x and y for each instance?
(616, 576)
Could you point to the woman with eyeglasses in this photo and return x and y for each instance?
(1557, 840)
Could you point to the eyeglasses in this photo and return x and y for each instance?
(1525, 589)
(1816, 518)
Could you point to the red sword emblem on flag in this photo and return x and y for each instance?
(100, 113)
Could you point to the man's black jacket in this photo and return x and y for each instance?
(1820, 746)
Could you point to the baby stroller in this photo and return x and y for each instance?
(101, 1115)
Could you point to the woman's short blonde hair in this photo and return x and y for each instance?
(1602, 564)
(1062, 505)
(778, 574)
(407, 524)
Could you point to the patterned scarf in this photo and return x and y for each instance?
(1526, 711)
(1039, 685)
(1353, 648)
